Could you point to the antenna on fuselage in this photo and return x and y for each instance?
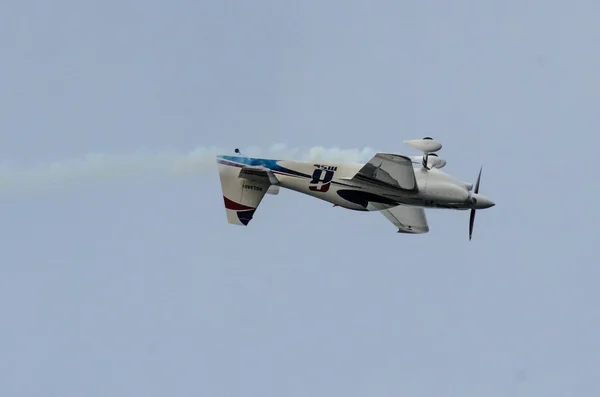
(237, 151)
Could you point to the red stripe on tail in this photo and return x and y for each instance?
(232, 205)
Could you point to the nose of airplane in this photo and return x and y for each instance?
(482, 202)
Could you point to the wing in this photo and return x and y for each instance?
(407, 219)
(389, 170)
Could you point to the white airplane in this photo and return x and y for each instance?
(388, 183)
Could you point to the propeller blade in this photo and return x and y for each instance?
(472, 217)
(471, 223)
(478, 180)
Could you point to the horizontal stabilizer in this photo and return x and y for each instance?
(258, 174)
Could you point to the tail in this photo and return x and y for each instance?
(243, 187)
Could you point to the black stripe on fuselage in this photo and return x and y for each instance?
(363, 198)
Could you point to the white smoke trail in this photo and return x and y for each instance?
(98, 167)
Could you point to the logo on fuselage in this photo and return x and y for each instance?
(321, 178)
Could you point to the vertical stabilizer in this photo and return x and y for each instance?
(241, 196)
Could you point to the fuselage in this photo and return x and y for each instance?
(333, 183)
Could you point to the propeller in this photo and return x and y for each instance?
(472, 217)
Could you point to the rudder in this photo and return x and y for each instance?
(241, 196)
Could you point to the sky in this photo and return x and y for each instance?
(135, 285)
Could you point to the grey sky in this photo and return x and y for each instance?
(139, 287)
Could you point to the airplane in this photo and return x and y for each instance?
(388, 183)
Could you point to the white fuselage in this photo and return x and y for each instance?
(331, 182)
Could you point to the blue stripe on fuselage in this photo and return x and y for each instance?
(238, 161)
